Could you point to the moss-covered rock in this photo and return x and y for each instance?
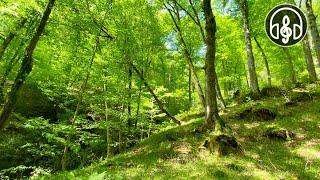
(258, 114)
(279, 133)
(32, 102)
(272, 92)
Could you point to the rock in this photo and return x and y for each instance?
(260, 114)
(300, 97)
(279, 133)
(272, 92)
(32, 102)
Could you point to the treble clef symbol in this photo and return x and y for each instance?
(286, 31)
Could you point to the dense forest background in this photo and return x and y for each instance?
(85, 82)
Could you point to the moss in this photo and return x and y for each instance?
(279, 133)
(272, 92)
(223, 144)
(33, 103)
(259, 114)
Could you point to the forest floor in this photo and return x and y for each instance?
(178, 153)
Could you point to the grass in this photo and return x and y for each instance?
(177, 153)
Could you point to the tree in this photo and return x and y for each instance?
(26, 66)
(293, 76)
(254, 86)
(213, 120)
(186, 52)
(309, 60)
(314, 29)
(10, 37)
(159, 103)
(265, 58)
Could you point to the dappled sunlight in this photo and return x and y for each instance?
(309, 150)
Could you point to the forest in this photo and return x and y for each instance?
(157, 89)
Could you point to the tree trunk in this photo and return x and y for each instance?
(314, 29)
(189, 89)
(188, 57)
(10, 37)
(120, 141)
(219, 94)
(293, 76)
(138, 105)
(254, 86)
(213, 119)
(160, 105)
(197, 21)
(265, 58)
(80, 98)
(14, 60)
(309, 60)
(130, 123)
(107, 119)
(8, 68)
(26, 67)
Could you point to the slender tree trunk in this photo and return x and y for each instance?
(254, 86)
(293, 76)
(80, 98)
(309, 60)
(107, 119)
(219, 94)
(159, 103)
(26, 67)
(10, 37)
(14, 60)
(188, 58)
(189, 89)
(314, 29)
(138, 105)
(196, 19)
(265, 58)
(129, 96)
(213, 119)
(120, 141)
(8, 68)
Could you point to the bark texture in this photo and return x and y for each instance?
(254, 86)
(213, 119)
(309, 60)
(314, 29)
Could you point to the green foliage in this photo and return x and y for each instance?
(114, 111)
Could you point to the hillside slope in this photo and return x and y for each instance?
(178, 153)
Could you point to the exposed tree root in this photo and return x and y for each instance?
(222, 144)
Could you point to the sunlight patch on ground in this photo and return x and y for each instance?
(252, 125)
(309, 150)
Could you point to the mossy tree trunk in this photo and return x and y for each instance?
(26, 66)
(213, 120)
